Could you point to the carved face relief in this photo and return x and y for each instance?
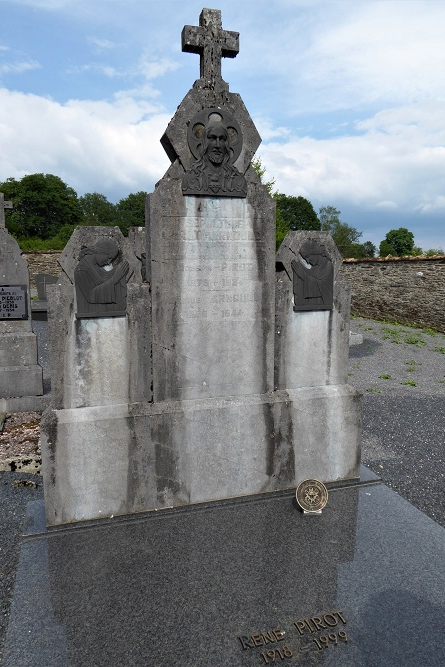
(216, 143)
(215, 139)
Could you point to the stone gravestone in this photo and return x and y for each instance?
(20, 375)
(239, 583)
(227, 383)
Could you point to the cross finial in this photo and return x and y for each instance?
(212, 43)
(3, 204)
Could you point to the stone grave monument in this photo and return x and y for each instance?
(225, 384)
(20, 375)
(220, 375)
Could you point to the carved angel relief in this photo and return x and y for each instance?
(101, 288)
(313, 278)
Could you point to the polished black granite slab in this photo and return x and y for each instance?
(241, 583)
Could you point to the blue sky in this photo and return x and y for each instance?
(348, 96)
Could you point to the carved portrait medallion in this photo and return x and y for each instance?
(215, 140)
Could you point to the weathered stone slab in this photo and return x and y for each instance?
(312, 346)
(212, 274)
(99, 361)
(127, 458)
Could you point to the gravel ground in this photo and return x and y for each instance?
(401, 373)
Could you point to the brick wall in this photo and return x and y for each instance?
(409, 290)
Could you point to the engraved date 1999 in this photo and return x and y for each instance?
(324, 641)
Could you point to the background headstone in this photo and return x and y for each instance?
(20, 375)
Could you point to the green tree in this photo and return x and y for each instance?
(97, 210)
(42, 205)
(131, 211)
(296, 212)
(345, 237)
(401, 240)
(369, 249)
(261, 170)
(386, 249)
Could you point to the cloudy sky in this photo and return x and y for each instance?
(348, 96)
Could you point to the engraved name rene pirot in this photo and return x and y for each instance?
(307, 635)
(13, 302)
(215, 140)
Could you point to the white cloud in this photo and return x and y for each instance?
(99, 68)
(19, 66)
(102, 44)
(341, 55)
(398, 161)
(108, 147)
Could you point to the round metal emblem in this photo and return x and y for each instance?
(312, 495)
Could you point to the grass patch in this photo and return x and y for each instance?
(385, 376)
(415, 339)
(430, 332)
(410, 383)
(441, 350)
(391, 334)
(373, 390)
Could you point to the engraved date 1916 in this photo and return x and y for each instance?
(273, 654)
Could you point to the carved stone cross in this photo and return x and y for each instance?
(3, 204)
(212, 43)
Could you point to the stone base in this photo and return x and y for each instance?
(18, 381)
(19, 373)
(108, 460)
(200, 586)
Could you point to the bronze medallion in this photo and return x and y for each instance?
(312, 495)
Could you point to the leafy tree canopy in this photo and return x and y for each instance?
(261, 170)
(296, 212)
(386, 249)
(401, 240)
(345, 237)
(131, 211)
(369, 249)
(42, 205)
(97, 210)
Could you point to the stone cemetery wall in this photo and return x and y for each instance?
(42, 261)
(409, 290)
